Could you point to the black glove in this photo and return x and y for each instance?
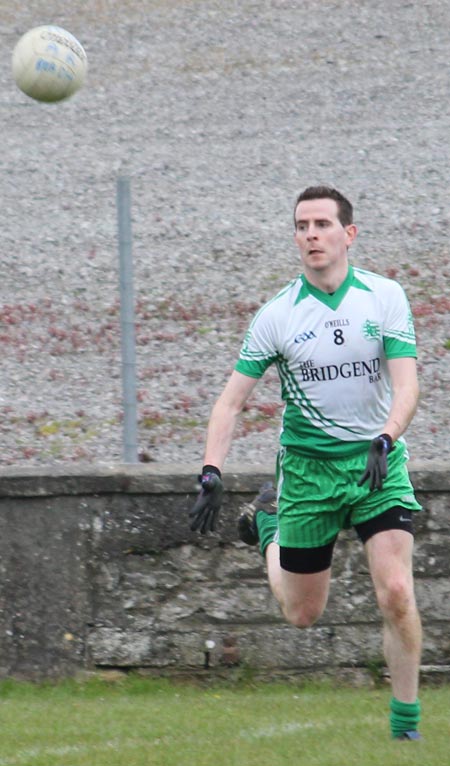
(207, 506)
(376, 466)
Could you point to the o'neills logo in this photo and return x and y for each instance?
(360, 369)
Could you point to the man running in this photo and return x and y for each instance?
(343, 342)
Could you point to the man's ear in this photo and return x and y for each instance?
(351, 232)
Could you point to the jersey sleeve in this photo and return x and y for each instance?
(259, 349)
(399, 337)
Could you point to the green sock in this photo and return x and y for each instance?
(405, 716)
(267, 524)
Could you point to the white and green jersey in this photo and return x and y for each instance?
(331, 353)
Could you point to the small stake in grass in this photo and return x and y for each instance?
(209, 646)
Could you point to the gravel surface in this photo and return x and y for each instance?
(219, 112)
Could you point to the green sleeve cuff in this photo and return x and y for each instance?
(395, 348)
(254, 369)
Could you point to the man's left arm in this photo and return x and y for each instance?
(405, 396)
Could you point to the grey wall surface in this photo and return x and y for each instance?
(99, 569)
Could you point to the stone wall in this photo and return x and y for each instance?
(99, 569)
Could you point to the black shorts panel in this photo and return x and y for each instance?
(307, 560)
(394, 518)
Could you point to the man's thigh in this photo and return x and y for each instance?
(390, 555)
(305, 596)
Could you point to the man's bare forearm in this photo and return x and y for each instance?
(405, 397)
(220, 434)
(224, 416)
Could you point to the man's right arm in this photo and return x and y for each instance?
(220, 433)
(224, 416)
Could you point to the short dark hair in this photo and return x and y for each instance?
(345, 208)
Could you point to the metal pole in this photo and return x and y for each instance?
(127, 322)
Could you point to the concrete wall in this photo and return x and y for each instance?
(99, 569)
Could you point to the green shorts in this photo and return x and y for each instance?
(317, 498)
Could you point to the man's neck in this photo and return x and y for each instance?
(327, 281)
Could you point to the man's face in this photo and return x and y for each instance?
(321, 238)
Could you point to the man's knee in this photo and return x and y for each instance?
(396, 596)
(302, 615)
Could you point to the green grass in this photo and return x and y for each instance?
(141, 722)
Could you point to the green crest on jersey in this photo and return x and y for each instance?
(371, 330)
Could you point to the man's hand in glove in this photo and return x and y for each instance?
(376, 466)
(207, 506)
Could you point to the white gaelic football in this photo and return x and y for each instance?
(49, 64)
